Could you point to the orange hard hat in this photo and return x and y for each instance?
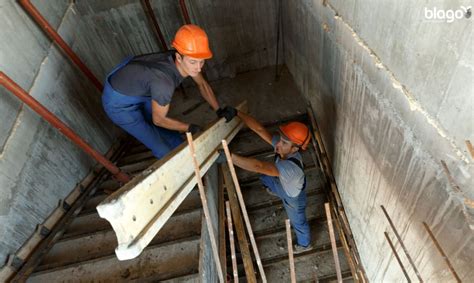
(192, 41)
(297, 133)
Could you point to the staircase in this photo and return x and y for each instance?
(85, 251)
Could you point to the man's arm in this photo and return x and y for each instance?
(255, 165)
(255, 126)
(206, 91)
(160, 119)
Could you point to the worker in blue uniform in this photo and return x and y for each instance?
(284, 177)
(138, 92)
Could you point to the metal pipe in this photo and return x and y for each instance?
(156, 27)
(14, 88)
(49, 30)
(184, 10)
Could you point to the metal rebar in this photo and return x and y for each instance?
(51, 32)
(401, 244)
(445, 257)
(397, 257)
(14, 88)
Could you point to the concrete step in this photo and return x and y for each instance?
(255, 194)
(268, 218)
(103, 243)
(89, 221)
(320, 262)
(190, 202)
(161, 262)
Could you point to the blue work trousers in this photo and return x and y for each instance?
(295, 209)
(134, 115)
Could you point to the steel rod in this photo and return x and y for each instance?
(184, 11)
(441, 251)
(154, 23)
(205, 207)
(333, 243)
(397, 257)
(244, 210)
(14, 88)
(290, 251)
(232, 242)
(401, 243)
(51, 32)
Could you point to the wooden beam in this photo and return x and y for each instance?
(290, 251)
(244, 211)
(205, 206)
(333, 243)
(239, 225)
(222, 220)
(138, 210)
(232, 243)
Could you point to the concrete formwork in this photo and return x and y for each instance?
(385, 87)
(38, 165)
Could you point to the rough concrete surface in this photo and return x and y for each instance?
(382, 112)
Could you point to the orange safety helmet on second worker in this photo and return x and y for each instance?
(191, 40)
(297, 133)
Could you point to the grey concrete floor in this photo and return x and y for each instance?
(268, 100)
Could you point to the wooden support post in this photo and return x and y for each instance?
(232, 242)
(205, 207)
(350, 247)
(222, 220)
(244, 211)
(290, 251)
(239, 226)
(333, 243)
(138, 210)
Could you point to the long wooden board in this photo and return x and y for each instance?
(138, 210)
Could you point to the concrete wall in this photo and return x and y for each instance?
(393, 94)
(38, 166)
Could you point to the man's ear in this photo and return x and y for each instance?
(294, 149)
(179, 58)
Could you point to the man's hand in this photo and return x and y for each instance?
(193, 129)
(227, 112)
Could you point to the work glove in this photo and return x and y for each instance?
(193, 129)
(227, 112)
(222, 158)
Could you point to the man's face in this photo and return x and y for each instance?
(192, 66)
(285, 147)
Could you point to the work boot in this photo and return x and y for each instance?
(297, 249)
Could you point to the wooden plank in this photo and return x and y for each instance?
(290, 251)
(222, 220)
(239, 226)
(333, 243)
(244, 211)
(138, 210)
(207, 216)
(235, 272)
